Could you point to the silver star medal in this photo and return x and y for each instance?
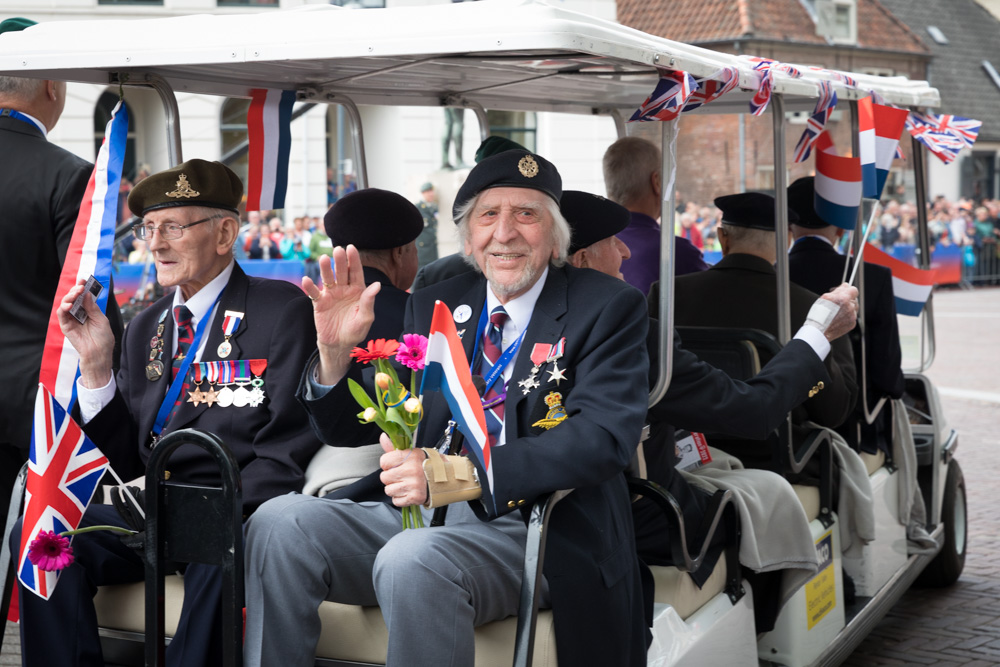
(557, 374)
(256, 397)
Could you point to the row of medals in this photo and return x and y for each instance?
(224, 397)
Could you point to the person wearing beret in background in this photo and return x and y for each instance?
(383, 226)
(814, 263)
(741, 291)
(427, 248)
(700, 397)
(41, 186)
(223, 332)
(570, 404)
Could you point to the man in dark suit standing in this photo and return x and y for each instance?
(814, 263)
(221, 354)
(566, 340)
(740, 291)
(41, 186)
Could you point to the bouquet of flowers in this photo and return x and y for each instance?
(396, 408)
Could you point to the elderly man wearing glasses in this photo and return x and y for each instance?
(223, 354)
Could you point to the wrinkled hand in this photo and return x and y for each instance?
(343, 309)
(93, 340)
(403, 474)
(845, 296)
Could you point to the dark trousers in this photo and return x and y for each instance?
(63, 629)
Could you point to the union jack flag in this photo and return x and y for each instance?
(671, 93)
(64, 468)
(767, 67)
(713, 87)
(845, 79)
(944, 135)
(817, 121)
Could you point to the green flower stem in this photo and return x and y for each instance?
(91, 529)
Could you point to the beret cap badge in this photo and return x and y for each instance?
(528, 167)
(184, 189)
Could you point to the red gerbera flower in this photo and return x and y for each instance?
(50, 551)
(377, 349)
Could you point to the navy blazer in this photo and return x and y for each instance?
(590, 564)
(271, 442)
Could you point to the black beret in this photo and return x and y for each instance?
(592, 218)
(15, 24)
(495, 144)
(800, 200)
(750, 209)
(510, 169)
(373, 219)
(191, 183)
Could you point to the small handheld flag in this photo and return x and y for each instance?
(447, 370)
(64, 468)
(269, 127)
(838, 185)
(910, 286)
(881, 126)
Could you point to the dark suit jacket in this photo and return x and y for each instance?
(590, 561)
(390, 304)
(817, 266)
(41, 186)
(739, 291)
(272, 442)
(440, 269)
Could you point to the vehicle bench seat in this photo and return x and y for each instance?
(359, 633)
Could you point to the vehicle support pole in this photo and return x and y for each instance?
(357, 133)
(924, 241)
(781, 219)
(668, 171)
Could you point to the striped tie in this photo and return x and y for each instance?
(185, 335)
(492, 347)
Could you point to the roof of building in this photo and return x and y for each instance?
(712, 21)
(956, 68)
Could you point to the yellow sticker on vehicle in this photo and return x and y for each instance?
(821, 590)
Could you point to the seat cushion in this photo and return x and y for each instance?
(809, 497)
(873, 461)
(123, 606)
(677, 589)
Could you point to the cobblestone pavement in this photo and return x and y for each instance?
(958, 626)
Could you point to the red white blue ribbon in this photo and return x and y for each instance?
(231, 322)
(668, 98)
(767, 67)
(817, 121)
(270, 135)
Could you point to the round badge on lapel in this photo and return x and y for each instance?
(463, 313)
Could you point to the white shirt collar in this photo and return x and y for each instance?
(202, 301)
(38, 123)
(815, 236)
(518, 309)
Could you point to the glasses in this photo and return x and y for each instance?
(168, 231)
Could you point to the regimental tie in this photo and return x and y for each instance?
(493, 400)
(185, 336)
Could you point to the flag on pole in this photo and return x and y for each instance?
(64, 468)
(866, 148)
(89, 253)
(838, 184)
(668, 98)
(911, 286)
(816, 123)
(889, 122)
(447, 370)
(269, 125)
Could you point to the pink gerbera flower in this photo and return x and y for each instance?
(412, 351)
(50, 551)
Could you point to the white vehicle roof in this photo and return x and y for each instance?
(503, 54)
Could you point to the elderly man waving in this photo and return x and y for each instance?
(435, 585)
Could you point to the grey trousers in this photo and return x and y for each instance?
(434, 585)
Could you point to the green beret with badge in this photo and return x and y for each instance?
(192, 183)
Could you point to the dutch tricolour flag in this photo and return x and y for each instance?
(447, 370)
(838, 184)
(911, 286)
(270, 134)
(880, 128)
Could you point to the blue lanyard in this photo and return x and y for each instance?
(504, 359)
(19, 116)
(175, 386)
